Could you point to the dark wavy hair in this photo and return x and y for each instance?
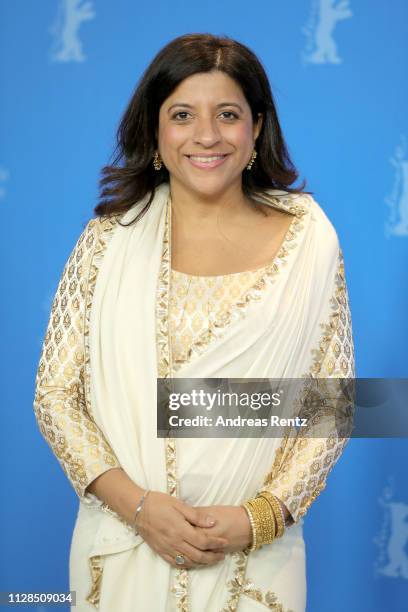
(131, 175)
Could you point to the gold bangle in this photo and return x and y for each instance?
(279, 517)
(251, 503)
(263, 518)
(248, 510)
(277, 512)
(267, 518)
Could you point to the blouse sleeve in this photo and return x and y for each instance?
(304, 460)
(59, 401)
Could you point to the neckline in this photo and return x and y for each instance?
(287, 205)
(238, 310)
(215, 276)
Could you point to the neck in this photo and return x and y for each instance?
(195, 207)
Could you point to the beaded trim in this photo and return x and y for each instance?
(180, 585)
(103, 230)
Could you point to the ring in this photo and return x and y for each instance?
(180, 559)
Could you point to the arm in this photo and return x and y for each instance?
(304, 459)
(85, 455)
(59, 401)
(303, 463)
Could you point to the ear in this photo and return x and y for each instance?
(258, 126)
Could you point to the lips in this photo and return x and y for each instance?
(205, 158)
(207, 161)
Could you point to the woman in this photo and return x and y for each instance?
(202, 262)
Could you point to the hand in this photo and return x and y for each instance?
(171, 527)
(232, 523)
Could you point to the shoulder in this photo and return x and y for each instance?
(93, 239)
(100, 229)
(325, 234)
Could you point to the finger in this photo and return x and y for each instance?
(195, 516)
(203, 539)
(171, 560)
(199, 556)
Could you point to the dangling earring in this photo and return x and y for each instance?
(251, 161)
(157, 162)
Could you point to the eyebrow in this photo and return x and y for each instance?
(218, 105)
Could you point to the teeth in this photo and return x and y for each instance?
(206, 159)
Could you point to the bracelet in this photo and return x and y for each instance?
(139, 508)
(251, 520)
(263, 522)
(277, 512)
(266, 519)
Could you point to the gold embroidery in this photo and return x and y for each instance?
(167, 365)
(104, 231)
(235, 585)
(180, 586)
(268, 599)
(255, 292)
(59, 403)
(241, 585)
(62, 402)
(72, 282)
(335, 355)
(95, 564)
(301, 465)
(196, 300)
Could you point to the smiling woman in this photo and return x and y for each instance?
(206, 123)
(203, 262)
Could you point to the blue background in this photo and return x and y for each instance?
(343, 123)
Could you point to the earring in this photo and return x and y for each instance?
(157, 162)
(251, 161)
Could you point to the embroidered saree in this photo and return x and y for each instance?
(107, 341)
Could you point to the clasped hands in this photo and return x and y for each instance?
(203, 535)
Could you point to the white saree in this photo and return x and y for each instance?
(294, 322)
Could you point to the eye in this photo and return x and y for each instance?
(180, 116)
(231, 116)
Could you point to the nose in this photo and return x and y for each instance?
(206, 132)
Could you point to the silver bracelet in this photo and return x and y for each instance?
(139, 508)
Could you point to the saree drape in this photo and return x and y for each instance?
(110, 316)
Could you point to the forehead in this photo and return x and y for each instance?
(204, 87)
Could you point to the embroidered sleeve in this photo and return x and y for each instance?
(59, 401)
(304, 460)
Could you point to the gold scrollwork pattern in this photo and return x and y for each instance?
(180, 585)
(96, 568)
(60, 405)
(239, 585)
(269, 599)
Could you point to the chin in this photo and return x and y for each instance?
(209, 188)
